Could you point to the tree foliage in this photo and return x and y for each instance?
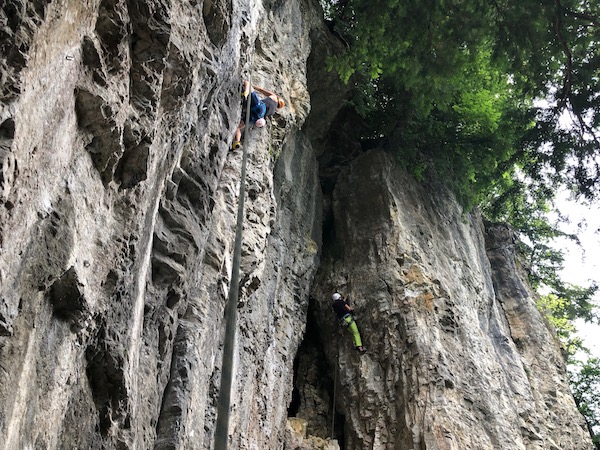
(585, 380)
(560, 312)
(454, 84)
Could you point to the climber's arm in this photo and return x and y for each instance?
(266, 92)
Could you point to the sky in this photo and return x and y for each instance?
(582, 265)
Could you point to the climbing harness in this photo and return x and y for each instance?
(224, 401)
(346, 323)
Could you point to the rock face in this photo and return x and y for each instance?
(118, 198)
(459, 357)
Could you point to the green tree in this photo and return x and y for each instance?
(585, 381)
(560, 313)
(584, 375)
(446, 74)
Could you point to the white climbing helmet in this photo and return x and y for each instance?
(261, 122)
(335, 297)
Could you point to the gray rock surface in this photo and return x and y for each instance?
(459, 357)
(118, 197)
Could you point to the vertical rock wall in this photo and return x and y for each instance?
(118, 197)
(459, 357)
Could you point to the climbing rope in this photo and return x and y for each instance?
(224, 402)
(335, 371)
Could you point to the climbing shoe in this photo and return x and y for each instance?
(361, 349)
(244, 95)
(236, 145)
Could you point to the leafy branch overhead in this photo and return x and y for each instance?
(455, 84)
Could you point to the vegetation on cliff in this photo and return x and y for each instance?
(501, 99)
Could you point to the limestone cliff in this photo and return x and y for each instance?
(459, 357)
(118, 197)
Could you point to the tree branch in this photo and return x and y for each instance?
(566, 91)
(594, 21)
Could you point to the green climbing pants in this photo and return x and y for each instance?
(352, 328)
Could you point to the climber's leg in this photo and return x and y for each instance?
(238, 136)
(354, 330)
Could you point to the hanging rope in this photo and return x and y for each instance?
(224, 402)
(335, 371)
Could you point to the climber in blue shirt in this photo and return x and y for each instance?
(259, 109)
(343, 310)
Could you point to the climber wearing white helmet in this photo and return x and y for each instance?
(259, 109)
(343, 310)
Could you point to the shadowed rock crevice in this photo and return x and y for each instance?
(133, 165)
(175, 401)
(111, 29)
(54, 248)
(7, 135)
(96, 119)
(44, 260)
(19, 20)
(105, 372)
(119, 152)
(165, 271)
(217, 19)
(91, 59)
(173, 243)
(193, 188)
(177, 78)
(150, 33)
(67, 299)
(312, 395)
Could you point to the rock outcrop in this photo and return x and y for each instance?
(118, 195)
(450, 325)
